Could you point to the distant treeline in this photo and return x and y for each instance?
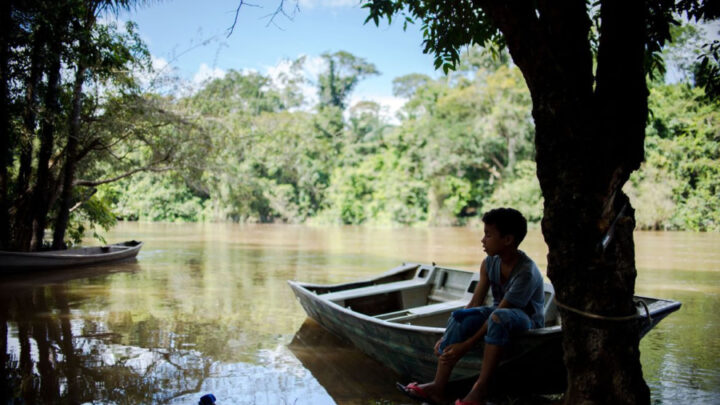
(461, 144)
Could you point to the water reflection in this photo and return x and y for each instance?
(58, 355)
(206, 309)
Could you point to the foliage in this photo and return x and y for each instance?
(464, 144)
(678, 186)
(166, 198)
(521, 192)
(344, 71)
(268, 161)
(75, 118)
(246, 147)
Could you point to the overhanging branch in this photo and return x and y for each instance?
(237, 13)
(149, 168)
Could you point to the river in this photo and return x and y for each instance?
(206, 309)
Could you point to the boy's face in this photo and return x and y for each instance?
(494, 243)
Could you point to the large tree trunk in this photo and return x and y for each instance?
(606, 283)
(84, 28)
(589, 138)
(23, 218)
(66, 196)
(44, 185)
(5, 154)
(42, 189)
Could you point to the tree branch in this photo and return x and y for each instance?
(621, 90)
(85, 199)
(148, 168)
(237, 13)
(519, 24)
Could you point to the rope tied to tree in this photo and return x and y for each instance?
(598, 317)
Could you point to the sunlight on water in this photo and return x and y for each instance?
(206, 308)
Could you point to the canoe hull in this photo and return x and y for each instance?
(403, 340)
(408, 350)
(12, 262)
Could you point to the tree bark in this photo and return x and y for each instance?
(43, 185)
(23, 218)
(5, 154)
(589, 138)
(66, 196)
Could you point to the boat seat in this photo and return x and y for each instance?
(374, 290)
(423, 311)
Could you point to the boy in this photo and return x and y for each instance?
(518, 298)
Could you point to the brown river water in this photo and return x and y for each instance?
(205, 308)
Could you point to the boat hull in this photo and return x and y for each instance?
(534, 356)
(408, 350)
(13, 262)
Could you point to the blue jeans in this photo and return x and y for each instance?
(464, 323)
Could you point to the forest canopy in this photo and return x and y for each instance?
(462, 143)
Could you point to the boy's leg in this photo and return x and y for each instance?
(459, 328)
(491, 358)
(502, 323)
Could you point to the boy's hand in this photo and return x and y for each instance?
(453, 353)
(437, 348)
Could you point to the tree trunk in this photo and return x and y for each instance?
(589, 138)
(66, 196)
(5, 150)
(23, 218)
(44, 182)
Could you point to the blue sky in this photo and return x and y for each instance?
(191, 36)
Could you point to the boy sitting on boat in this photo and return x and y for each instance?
(518, 298)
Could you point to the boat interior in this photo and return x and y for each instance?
(416, 294)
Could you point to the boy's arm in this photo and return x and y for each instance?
(481, 289)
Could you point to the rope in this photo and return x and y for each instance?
(610, 234)
(608, 318)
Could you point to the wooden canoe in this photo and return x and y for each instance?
(398, 316)
(12, 262)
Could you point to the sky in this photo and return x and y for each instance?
(191, 36)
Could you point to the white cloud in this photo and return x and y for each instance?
(159, 64)
(155, 78)
(205, 74)
(303, 75)
(389, 105)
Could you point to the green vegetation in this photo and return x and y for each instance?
(678, 186)
(461, 140)
(461, 144)
(76, 116)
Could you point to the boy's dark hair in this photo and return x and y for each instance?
(508, 221)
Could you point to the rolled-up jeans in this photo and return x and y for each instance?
(464, 323)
